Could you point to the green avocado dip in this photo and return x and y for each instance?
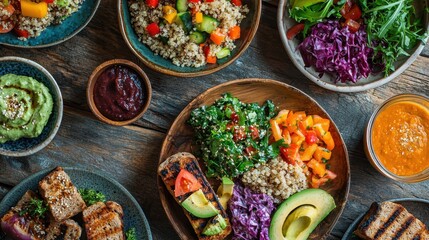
(25, 107)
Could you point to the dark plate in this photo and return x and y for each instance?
(83, 178)
(416, 206)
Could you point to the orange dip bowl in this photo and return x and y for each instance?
(397, 138)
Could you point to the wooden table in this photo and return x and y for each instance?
(130, 154)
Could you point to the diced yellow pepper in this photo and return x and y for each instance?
(308, 152)
(32, 9)
(199, 17)
(169, 13)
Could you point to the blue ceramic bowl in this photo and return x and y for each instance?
(248, 26)
(28, 146)
(83, 178)
(56, 34)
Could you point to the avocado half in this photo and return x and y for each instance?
(300, 214)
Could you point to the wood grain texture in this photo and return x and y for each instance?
(130, 154)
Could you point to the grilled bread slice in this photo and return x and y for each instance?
(389, 220)
(104, 221)
(170, 168)
(67, 230)
(61, 196)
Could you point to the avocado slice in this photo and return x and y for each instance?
(300, 214)
(198, 205)
(225, 191)
(215, 226)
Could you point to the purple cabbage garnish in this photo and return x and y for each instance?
(333, 49)
(251, 214)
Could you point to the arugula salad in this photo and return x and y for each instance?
(351, 39)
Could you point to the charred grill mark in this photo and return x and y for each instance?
(164, 173)
(389, 222)
(366, 224)
(404, 227)
(417, 237)
(175, 167)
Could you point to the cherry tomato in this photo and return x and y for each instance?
(49, 1)
(9, 26)
(346, 8)
(152, 3)
(293, 31)
(355, 13)
(234, 117)
(290, 154)
(185, 183)
(236, 2)
(21, 33)
(311, 137)
(153, 29)
(249, 150)
(254, 132)
(9, 12)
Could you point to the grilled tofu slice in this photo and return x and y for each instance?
(104, 221)
(389, 220)
(61, 196)
(17, 222)
(170, 168)
(67, 230)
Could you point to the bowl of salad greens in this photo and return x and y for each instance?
(353, 45)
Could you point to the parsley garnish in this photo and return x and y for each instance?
(131, 234)
(34, 208)
(90, 196)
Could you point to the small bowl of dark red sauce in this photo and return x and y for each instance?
(118, 92)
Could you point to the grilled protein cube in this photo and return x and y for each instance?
(67, 230)
(104, 221)
(391, 221)
(61, 196)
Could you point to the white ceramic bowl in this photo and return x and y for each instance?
(284, 22)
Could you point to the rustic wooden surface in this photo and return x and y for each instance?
(130, 154)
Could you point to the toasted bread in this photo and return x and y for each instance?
(389, 220)
(170, 168)
(68, 230)
(104, 221)
(61, 196)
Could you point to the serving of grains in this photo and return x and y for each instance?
(57, 12)
(276, 178)
(172, 42)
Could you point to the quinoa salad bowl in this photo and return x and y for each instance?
(43, 23)
(188, 38)
(263, 173)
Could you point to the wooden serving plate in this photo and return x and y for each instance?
(180, 135)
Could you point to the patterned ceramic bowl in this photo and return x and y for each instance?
(56, 34)
(25, 67)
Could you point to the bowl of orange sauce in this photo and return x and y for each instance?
(397, 138)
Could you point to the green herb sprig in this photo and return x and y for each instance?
(34, 208)
(90, 196)
(131, 234)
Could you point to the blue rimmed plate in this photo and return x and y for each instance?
(56, 34)
(83, 178)
(416, 206)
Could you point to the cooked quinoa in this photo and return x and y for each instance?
(172, 42)
(276, 178)
(57, 12)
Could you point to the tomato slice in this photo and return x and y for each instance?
(22, 33)
(290, 154)
(293, 31)
(6, 26)
(9, 10)
(355, 13)
(185, 183)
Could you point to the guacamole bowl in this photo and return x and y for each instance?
(25, 105)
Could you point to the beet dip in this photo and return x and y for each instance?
(118, 93)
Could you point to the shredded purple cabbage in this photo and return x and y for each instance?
(333, 49)
(250, 214)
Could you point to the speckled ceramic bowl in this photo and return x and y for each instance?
(248, 30)
(284, 22)
(56, 34)
(26, 67)
(83, 178)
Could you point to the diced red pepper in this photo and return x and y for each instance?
(311, 137)
(152, 3)
(194, 1)
(206, 50)
(293, 31)
(22, 33)
(352, 25)
(236, 2)
(355, 13)
(153, 29)
(290, 154)
(49, 1)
